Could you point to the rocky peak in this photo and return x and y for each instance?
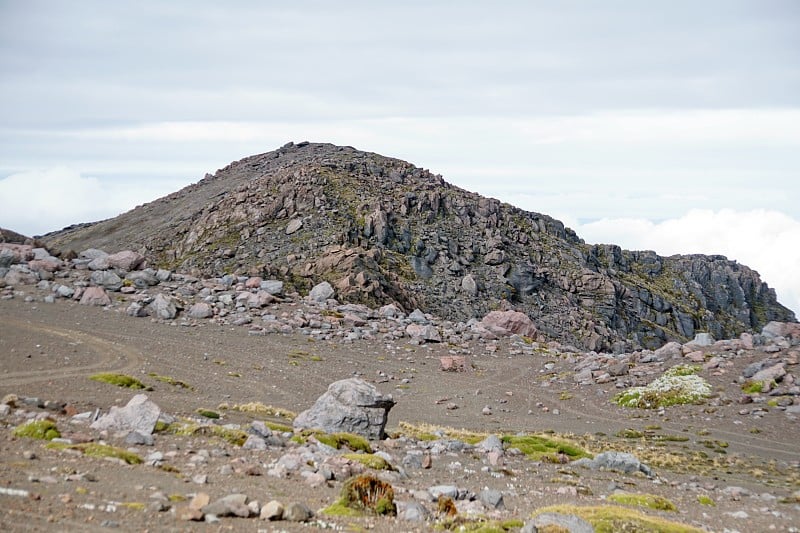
(381, 230)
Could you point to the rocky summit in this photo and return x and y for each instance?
(380, 231)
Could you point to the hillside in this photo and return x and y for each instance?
(382, 230)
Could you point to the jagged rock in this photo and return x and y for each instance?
(139, 414)
(95, 296)
(321, 292)
(351, 406)
(508, 322)
(427, 333)
(162, 307)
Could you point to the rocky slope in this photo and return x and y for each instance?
(382, 230)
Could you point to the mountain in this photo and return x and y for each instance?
(382, 230)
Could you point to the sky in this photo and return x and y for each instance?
(670, 126)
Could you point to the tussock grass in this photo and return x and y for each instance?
(120, 380)
(94, 449)
(38, 429)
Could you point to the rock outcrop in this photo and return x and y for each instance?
(380, 230)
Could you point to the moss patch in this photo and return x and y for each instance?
(702, 499)
(541, 448)
(677, 386)
(752, 387)
(479, 525)
(612, 519)
(356, 443)
(376, 462)
(93, 449)
(236, 437)
(429, 432)
(651, 501)
(208, 413)
(120, 380)
(38, 429)
(280, 428)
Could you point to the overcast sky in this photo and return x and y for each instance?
(672, 126)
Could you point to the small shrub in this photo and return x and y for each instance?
(677, 386)
(38, 429)
(752, 387)
(364, 493)
(445, 506)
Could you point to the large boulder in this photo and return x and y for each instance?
(126, 260)
(508, 322)
(321, 292)
(162, 307)
(351, 406)
(139, 415)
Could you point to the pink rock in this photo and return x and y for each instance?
(510, 322)
(47, 265)
(125, 260)
(253, 282)
(782, 329)
(453, 363)
(747, 341)
(95, 296)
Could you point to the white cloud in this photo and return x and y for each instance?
(765, 240)
(36, 202)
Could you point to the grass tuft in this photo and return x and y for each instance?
(651, 501)
(539, 448)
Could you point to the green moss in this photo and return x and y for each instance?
(280, 428)
(630, 433)
(702, 499)
(208, 413)
(752, 387)
(93, 449)
(356, 443)
(236, 437)
(265, 410)
(651, 501)
(429, 432)
(612, 519)
(565, 395)
(340, 509)
(479, 525)
(171, 381)
(138, 506)
(38, 429)
(160, 426)
(376, 462)
(675, 387)
(541, 448)
(683, 370)
(120, 380)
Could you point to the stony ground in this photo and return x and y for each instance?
(741, 451)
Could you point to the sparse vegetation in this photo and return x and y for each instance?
(702, 499)
(120, 380)
(261, 409)
(208, 413)
(612, 519)
(651, 501)
(339, 440)
(94, 449)
(541, 448)
(375, 462)
(171, 381)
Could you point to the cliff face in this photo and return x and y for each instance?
(381, 230)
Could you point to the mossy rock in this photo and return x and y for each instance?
(539, 448)
(651, 501)
(613, 518)
(38, 429)
(120, 380)
(677, 386)
(93, 449)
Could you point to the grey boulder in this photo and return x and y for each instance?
(351, 406)
(139, 415)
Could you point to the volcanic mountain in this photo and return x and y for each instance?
(381, 230)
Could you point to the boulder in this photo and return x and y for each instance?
(508, 322)
(162, 307)
(201, 310)
(781, 329)
(350, 406)
(321, 292)
(427, 333)
(106, 279)
(140, 415)
(294, 225)
(95, 296)
(469, 285)
(126, 260)
(627, 463)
